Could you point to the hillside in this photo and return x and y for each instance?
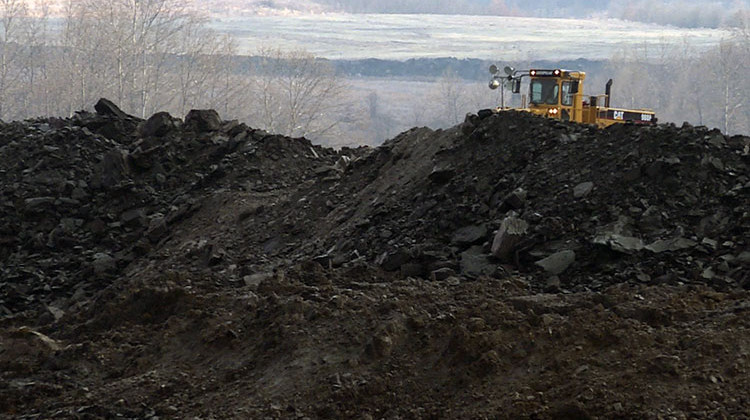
(508, 267)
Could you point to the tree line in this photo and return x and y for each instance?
(703, 88)
(150, 56)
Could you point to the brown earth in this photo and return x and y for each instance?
(204, 269)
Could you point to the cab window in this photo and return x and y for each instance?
(567, 97)
(544, 91)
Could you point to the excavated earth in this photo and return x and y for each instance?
(509, 267)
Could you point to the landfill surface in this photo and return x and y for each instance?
(509, 267)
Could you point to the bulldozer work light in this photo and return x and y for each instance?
(545, 73)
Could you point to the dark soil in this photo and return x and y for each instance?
(509, 267)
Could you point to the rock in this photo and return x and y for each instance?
(45, 340)
(203, 120)
(715, 138)
(442, 274)
(558, 262)
(474, 263)
(515, 199)
(643, 277)
(512, 231)
(158, 125)
(382, 345)
(441, 175)
(650, 220)
(324, 170)
(412, 269)
(393, 261)
(36, 202)
(710, 244)
(343, 163)
(714, 162)
(620, 243)
(469, 235)
(134, 218)
(324, 260)
(453, 281)
(674, 244)
(103, 263)
(157, 228)
(107, 107)
(665, 364)
(113, 168)
(79, 194)
(254, 280)
(583, 189)
(56, 312)
(216, 256)
(552, 285)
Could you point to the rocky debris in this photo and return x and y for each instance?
(110, 184)
(207, 269)
(645, 194)
(76, 204)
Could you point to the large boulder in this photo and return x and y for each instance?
(107, 107)
(203, 120)
(511, 232)
(558, 262)
(158, 125)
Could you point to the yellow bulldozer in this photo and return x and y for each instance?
(558, 94)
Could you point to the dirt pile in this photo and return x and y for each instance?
(84, 197)
(596, 207)
(173, 268)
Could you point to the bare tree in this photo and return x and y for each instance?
(450, 98)
(122, 47)
(12, 12)
(298, 94)
(729, 68)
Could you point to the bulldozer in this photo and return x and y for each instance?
(558, 94)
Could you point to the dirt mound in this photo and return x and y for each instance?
(84, 197)
(661, 204)
(509, 267)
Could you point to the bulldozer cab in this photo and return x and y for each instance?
(556, 93)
